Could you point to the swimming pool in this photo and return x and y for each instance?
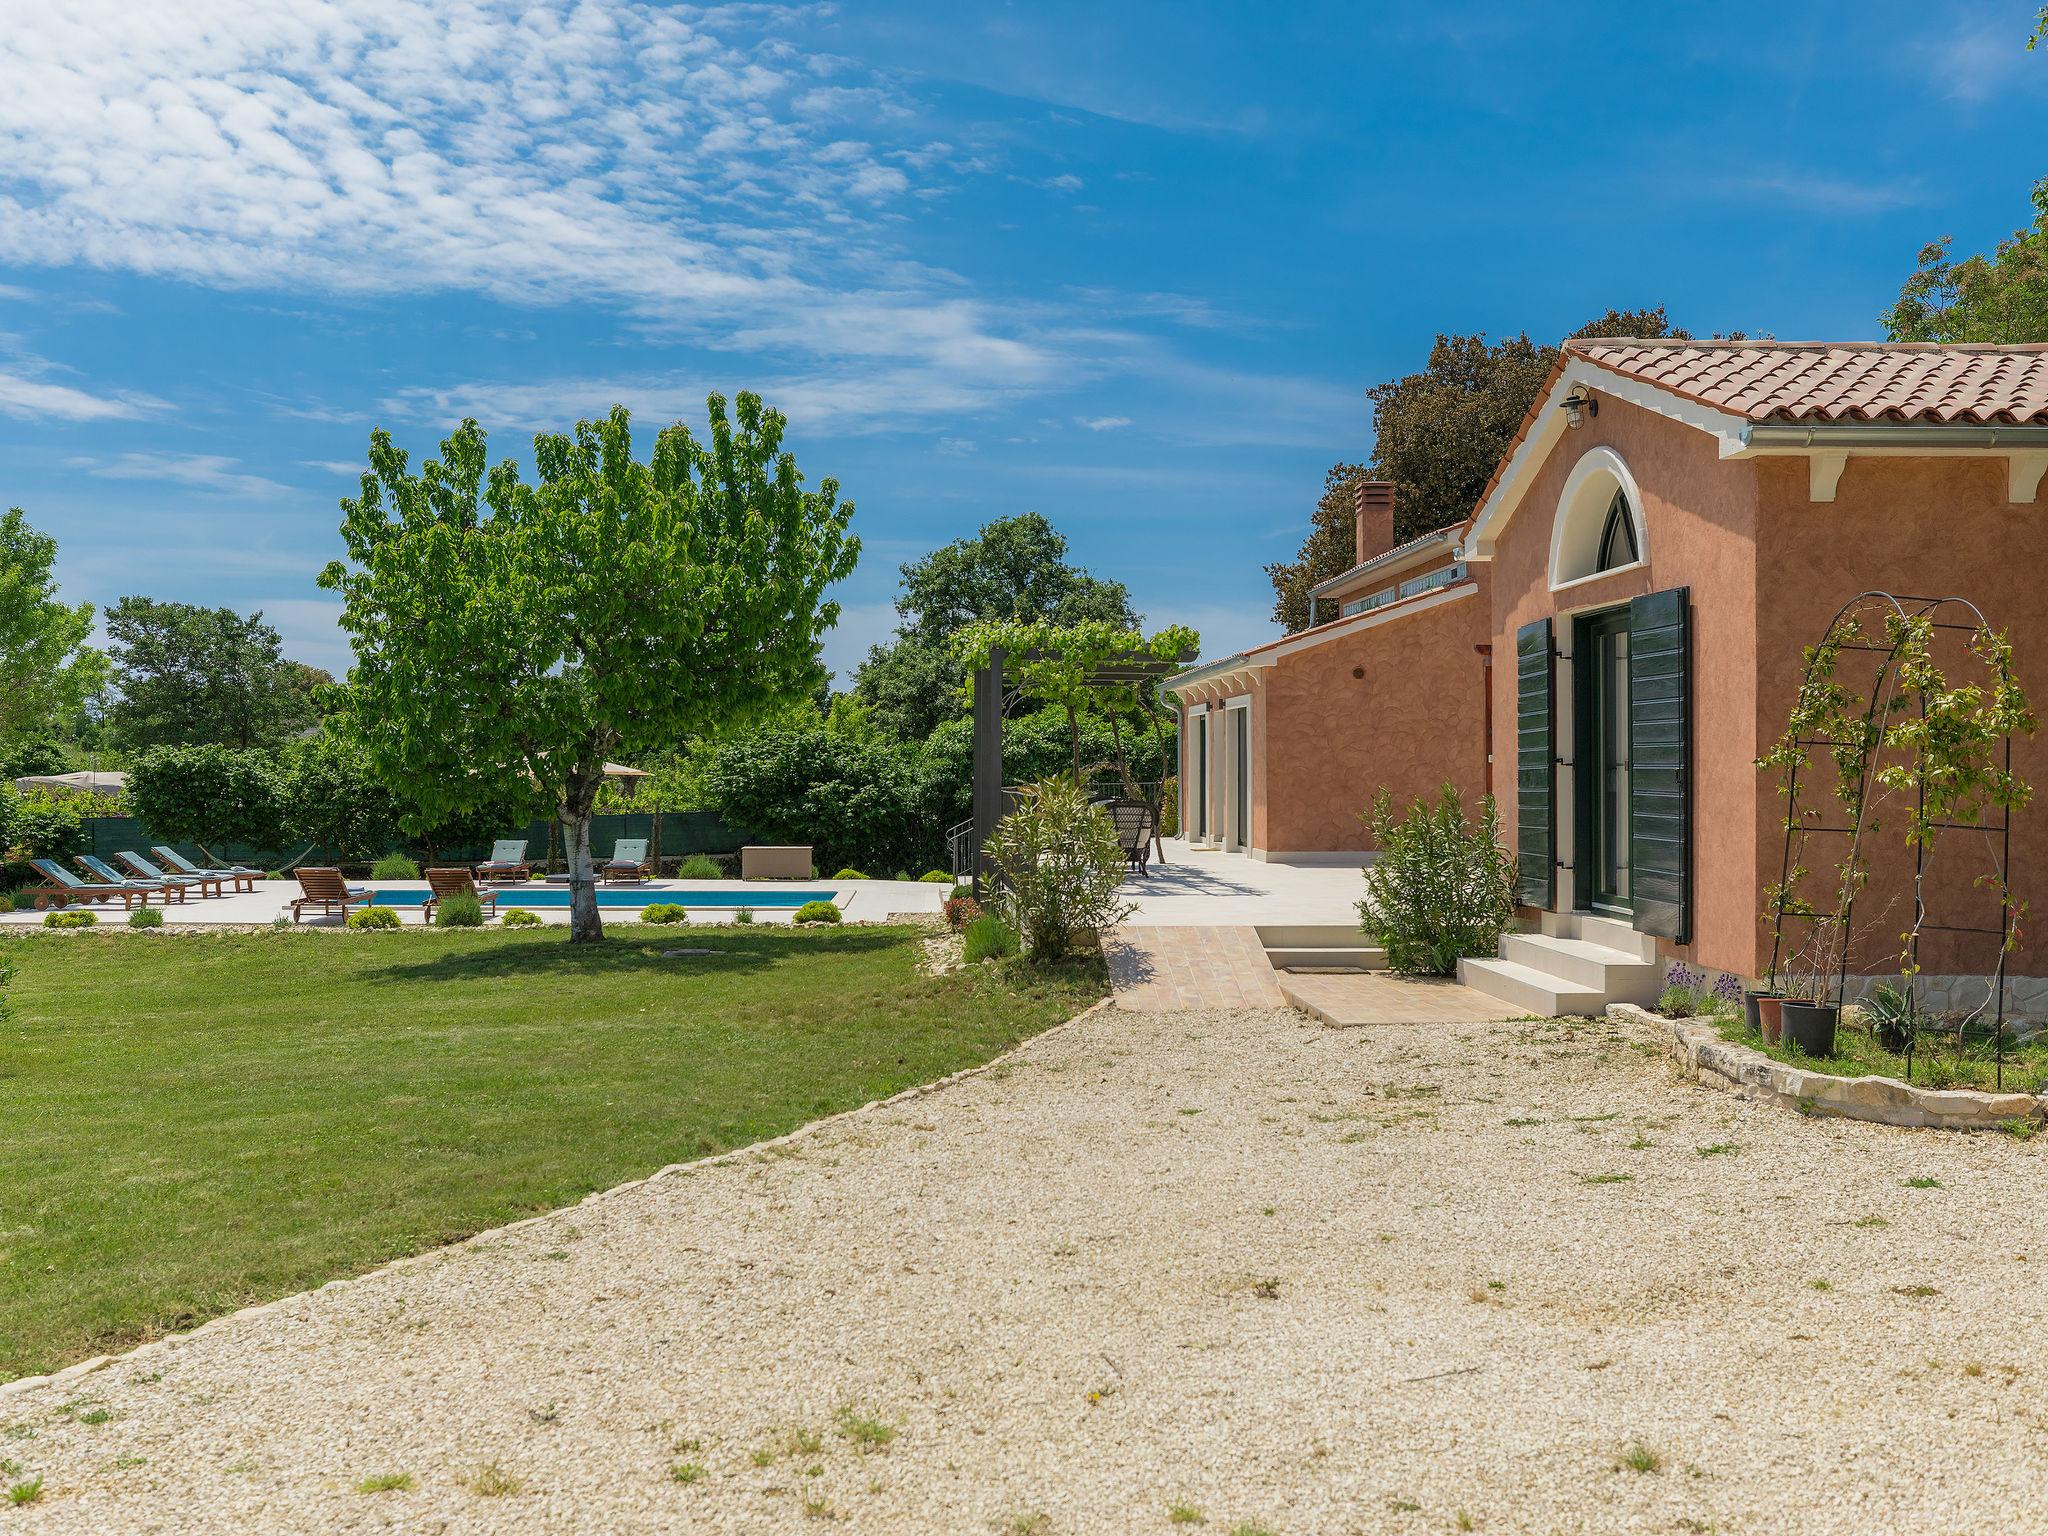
(534, 894)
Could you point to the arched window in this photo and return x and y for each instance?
(1618, 538)
(1598, 526)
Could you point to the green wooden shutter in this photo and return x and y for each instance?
(1535, 768)
(1660, 764)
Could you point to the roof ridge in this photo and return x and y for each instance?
(1764, 344)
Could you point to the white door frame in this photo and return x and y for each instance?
(1237, 714)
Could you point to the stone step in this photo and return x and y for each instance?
(1612, 932)
(1523, 985)
(1326, 957)
(1619, 976)
(1311, 935)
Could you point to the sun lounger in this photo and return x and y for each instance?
(244, 879)
(209, 884)
(628, 861)
(325, 889)
(101, 870)
(507, 860)
(61, 887)
(456, 882)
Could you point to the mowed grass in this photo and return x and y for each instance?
(191, 1124)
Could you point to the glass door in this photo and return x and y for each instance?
(1241, 788)
(1600, 763)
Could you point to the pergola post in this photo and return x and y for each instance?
(988, 757)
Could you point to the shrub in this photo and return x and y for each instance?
(817, 912)
(145, 917)
(520, 917)
(459, 911)
(961, 910)
(848, 874)
(1443, 887)
(664, 912)
(852, 800)
(988, 937)
(8, 903)
(958, 891)
(368, 919)
(209, 794)
(41, 825)
(699, 866)
(69, 919)
(743, 915)
(935, 877)
(1063, 866)
(394, 866)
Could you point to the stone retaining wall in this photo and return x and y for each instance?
(1719, 1063)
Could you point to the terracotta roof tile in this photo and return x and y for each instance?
(1813, 381)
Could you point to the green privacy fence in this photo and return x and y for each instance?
(680, 834)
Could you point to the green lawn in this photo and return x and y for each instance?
(190, 1124)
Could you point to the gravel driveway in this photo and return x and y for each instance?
(1292, 1279)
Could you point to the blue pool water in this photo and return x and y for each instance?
(537, 895)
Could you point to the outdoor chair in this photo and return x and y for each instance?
(61, 888)
(244, 879)
(456, 882)
(1133, 822)
(507, 860)
(99, 869)
(325, 889)
(209, 884)
(628, 861)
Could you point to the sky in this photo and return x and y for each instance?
(1133, 266)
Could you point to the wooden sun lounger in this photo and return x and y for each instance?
(60, 888)
(170, 890)
(209, 884)
(628, 861)
(507, 861)
(325, 889)
(456, 882)
(244, 878)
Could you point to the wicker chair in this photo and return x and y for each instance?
(1133, 822)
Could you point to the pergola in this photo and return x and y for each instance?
(992, 702)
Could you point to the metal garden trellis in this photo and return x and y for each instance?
(1904, 607)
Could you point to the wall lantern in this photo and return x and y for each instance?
(1578, 408)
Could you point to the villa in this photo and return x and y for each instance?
(1615, 635)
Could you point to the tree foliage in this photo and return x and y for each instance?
(1437, 435)
(209, 794)
(189, 676)
(510, 638)
(2002, 297)
(853, 801)
(1014, 570)
(46, 668)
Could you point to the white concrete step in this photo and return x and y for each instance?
(1526, 987)
(1311, 935)
(1611, 932)
(1620, 976)
(1326, 957)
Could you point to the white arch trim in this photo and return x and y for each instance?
(1582, 516)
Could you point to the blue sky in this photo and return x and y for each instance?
(1132, 266)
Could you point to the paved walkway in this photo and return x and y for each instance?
(1202, 888)
(1505, 1278)
(1373, 998)
(1165, 970)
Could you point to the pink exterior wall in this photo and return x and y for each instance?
(1699, 513)
(1413, 720)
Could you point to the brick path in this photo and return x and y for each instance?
(1165, 970)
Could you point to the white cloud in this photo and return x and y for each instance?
(33, 398)
(1981, 58)
(353, 469)
(311, 630)
(1102, 423)
(1823, 193)
(201, 471)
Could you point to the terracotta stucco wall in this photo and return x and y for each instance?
(1933, 526)
(1398, 703)
(1700, 516)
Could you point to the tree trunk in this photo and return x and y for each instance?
(585, 926)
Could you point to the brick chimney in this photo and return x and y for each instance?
(1372, 504)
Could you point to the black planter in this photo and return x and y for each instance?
(1750, 1010)
(1810, 1027)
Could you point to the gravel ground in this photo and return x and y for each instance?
(1422, 1278)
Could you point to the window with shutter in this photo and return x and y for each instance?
(1535, 768)
(1660, 758)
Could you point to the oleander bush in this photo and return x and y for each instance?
(1063, 868)
(459, 911)
(1443, 888)
(369, 919)
(988, 937)
(818, 912)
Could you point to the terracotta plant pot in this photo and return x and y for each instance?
(1752, 1007)
(1770, 1019)
(1810, 1027)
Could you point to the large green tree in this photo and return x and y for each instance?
(46, 668)
(510, 638)
(2002, 297)
(191, 676)
(1437, 435)
(1014, 569)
